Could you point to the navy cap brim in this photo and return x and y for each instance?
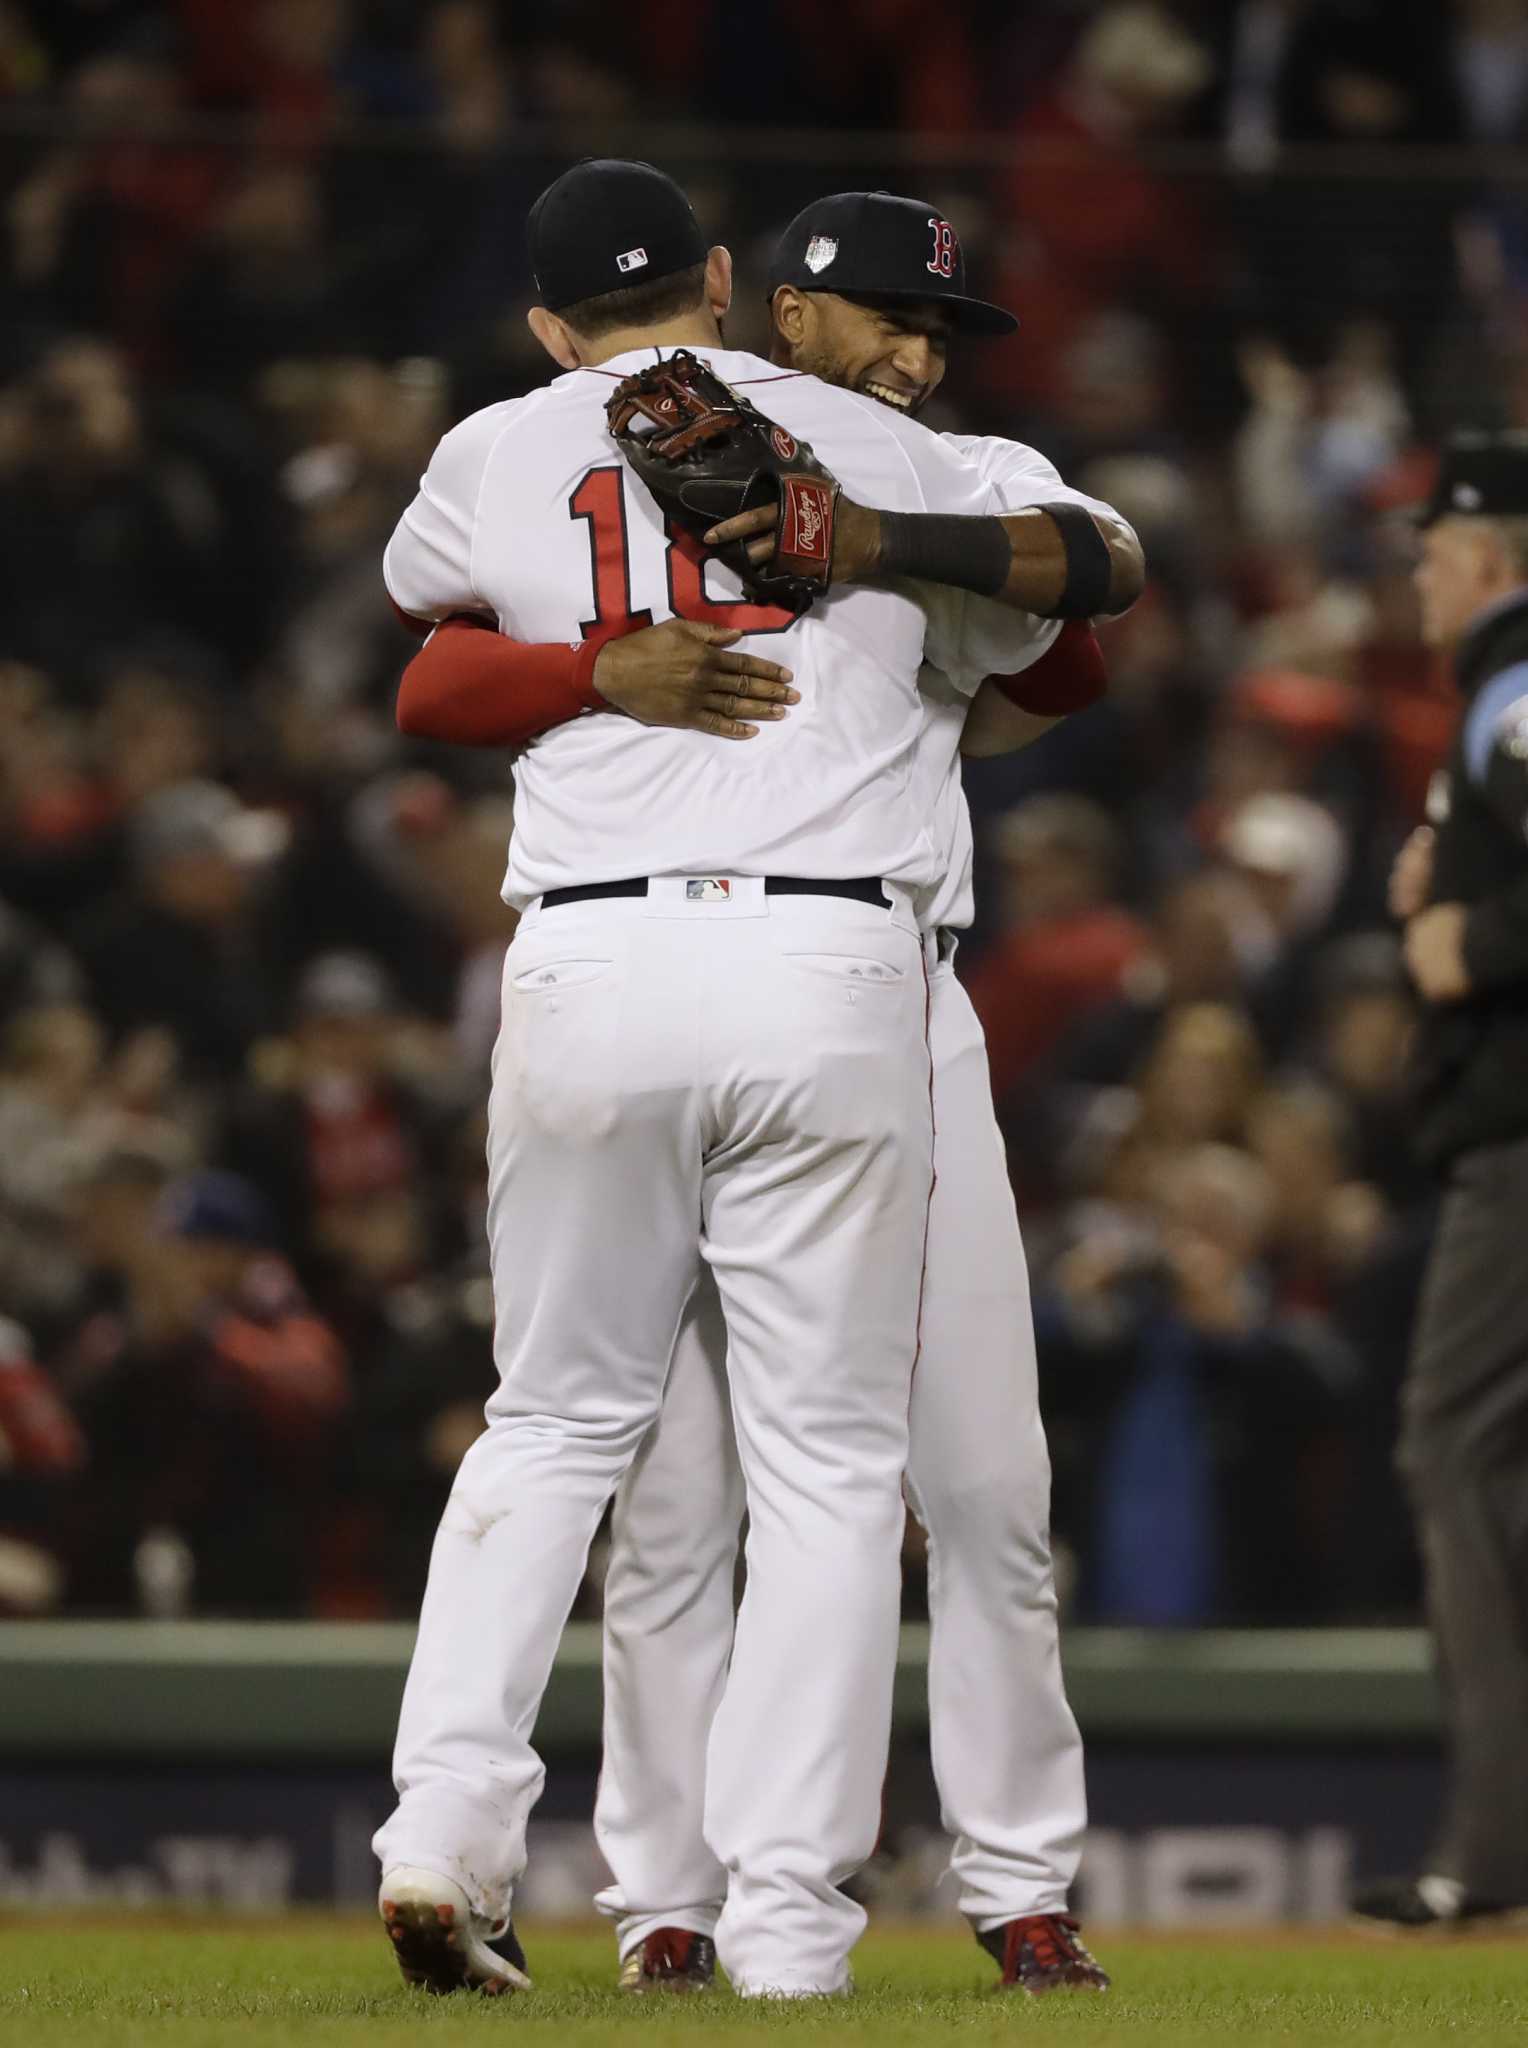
(967, 316)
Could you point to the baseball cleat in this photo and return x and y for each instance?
(1043, 1952)
(1431, 1905)
(670, 1959)
(441, 1943)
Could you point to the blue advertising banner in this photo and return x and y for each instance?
(1212, 1836)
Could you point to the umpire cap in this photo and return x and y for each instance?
(1482, 476)
(879, 245)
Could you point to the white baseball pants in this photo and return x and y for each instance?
(747, 1079)
(1007, 1756)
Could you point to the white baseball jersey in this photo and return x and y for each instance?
(988, 639)
(528, 512)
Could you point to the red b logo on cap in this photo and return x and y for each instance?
(942, 262)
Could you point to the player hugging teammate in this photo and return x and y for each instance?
(744, 1168)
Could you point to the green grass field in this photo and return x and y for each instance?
(313, 1982)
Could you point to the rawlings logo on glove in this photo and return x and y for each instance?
(806, 520)
(707, 454)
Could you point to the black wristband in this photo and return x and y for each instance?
(946, 547)
(1089, 566)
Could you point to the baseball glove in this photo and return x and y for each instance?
(707, 454)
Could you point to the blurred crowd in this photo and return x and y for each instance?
(255, 260)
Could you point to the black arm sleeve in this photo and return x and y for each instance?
(1496, 934)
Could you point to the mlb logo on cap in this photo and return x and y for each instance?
(1482, 475)
(608, 215)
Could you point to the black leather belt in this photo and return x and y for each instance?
(863, 888)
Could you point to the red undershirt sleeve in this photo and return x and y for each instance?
(420, 628)
(1069, 676)
(471, 686)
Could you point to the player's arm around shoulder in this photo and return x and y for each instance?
(1024, 672)
(472, 686)
(905, 465)
(1059, 556)
(1025, 481)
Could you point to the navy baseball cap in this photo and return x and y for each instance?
(877, 245)
(606, 224)
(1481, 476)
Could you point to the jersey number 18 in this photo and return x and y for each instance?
(601, 499)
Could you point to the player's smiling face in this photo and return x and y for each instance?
(893, 352)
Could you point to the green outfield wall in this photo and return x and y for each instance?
(283, 1691)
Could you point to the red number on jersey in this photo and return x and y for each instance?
(687, 593)
(601, 499)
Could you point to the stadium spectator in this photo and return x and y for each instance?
(1363, 1027)
(419, 1406)
(1066, 943)
(63, 1105)
(111, 536)
(1197, 1083)
(1325, 243)
(1184, 1406)
(1095, 225)
(1292, 855)
(42, 1458)
(181, 949)
(1323, 1221)
(209, 1399)
(1207, 936)
(335, 1134)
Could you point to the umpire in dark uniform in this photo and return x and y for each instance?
(1461, 887)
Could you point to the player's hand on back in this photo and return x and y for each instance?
(682, 674)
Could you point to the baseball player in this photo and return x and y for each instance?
(1007, 1754)
(713, 1042)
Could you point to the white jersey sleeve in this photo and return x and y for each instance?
(973, 637)
(428, 566)
(977, 638)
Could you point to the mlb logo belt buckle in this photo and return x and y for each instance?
(708, 889)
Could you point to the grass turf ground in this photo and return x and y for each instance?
(314, 1982)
